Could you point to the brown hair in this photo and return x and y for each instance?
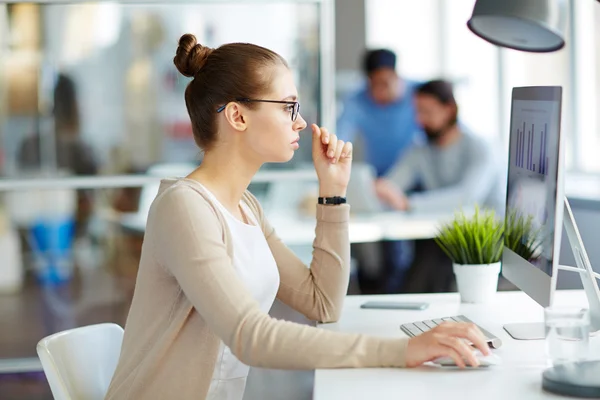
(221, 75)
(442, 91)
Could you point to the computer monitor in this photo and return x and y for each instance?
(535, 188)
(536, 204)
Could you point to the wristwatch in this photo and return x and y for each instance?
(332, 200)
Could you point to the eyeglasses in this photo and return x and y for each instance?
(294, 111)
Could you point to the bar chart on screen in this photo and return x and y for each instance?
(531, 148)
(531, 125)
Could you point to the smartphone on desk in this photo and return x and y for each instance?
(394, 305)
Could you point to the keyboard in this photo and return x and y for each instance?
(416, 328)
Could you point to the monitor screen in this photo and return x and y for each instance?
(531, 198)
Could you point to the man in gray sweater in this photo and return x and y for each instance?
(454, 167)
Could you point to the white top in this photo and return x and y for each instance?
(518, 377)
(254, 263)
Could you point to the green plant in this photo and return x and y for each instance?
(475, 239)
(521, 236)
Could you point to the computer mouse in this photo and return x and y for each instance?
(484, 361)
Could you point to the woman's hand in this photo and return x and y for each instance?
(333, 161)
(389, 193)
(447, 339)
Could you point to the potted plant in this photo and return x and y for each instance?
(474, 243)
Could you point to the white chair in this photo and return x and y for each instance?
(79, 363)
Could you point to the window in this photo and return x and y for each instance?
(543, 69)
(408, 28)
(585, 19)
(472, 64)
(123, 96)
(432, 40)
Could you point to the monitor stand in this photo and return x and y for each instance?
(532, 331)
(526, 331)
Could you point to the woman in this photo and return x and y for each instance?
(212, 265)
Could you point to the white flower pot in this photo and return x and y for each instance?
(477, 283)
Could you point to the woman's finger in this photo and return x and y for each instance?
(347, 150)
(338, 151)
(462, 348)
(332, 145)
(470, 332)
(458, 360)
(324, 136)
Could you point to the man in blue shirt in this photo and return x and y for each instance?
(382, 112)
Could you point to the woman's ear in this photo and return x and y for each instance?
(235, 116)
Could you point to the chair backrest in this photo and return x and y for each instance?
(79, 363)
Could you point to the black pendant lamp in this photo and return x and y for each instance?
(527, 25)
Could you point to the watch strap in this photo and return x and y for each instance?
(332, 200)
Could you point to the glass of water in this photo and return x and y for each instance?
(567, 334)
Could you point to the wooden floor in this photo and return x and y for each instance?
(30, 386)
(93, 296)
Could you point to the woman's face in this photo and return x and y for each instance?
(271, 133)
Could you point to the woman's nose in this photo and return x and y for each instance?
(300, 123)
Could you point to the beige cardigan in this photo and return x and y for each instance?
(188, 298)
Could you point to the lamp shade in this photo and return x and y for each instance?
(526, 25)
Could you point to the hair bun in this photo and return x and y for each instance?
(190, 56)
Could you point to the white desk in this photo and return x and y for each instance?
(519, 376)
(300, 230)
